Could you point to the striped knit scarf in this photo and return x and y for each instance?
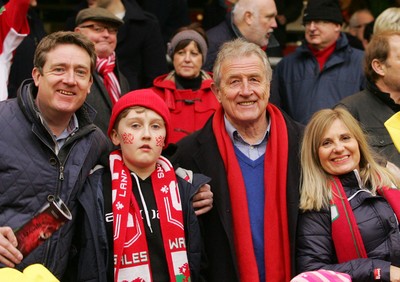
(276, 235)
(131, 255)
(105, 67)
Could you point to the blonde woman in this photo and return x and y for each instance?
(348, 222)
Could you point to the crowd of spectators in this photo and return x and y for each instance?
(184, 146)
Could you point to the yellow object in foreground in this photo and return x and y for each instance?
(33, 273)
(393, 126)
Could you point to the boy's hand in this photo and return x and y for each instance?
(9, 254)
(203, 200)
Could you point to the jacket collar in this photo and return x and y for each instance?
(168, 81)
(382, 96)
(341, 43)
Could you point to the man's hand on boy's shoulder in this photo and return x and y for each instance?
(203, 200)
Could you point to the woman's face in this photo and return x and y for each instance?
(338, 150)
(188, 61)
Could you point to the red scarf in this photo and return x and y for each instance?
(105, 67)
(323, 55)
(276, 235)
(131, 256)
(345, 230)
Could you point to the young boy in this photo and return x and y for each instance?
(153, 216)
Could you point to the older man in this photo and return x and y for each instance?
(253, 20)
(101, 27)
(250, 150)
(48, 147)
(381, 98)
(323, 70)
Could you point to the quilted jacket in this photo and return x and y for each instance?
(31, 171)
(378, 227)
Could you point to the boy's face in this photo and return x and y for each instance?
(141, 136)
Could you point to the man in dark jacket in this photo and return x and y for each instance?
(49, 146)
(140, 47)
(288, 11)
(323, 70)
(381, 98)
(249, 148)
(101, 26)
(253, 20)
(171, 15)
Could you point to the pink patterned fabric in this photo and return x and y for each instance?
(322, 275)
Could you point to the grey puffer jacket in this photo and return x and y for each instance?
(31, 171)
(379, 230)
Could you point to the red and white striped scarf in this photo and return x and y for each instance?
(131, 254)
(105, 67)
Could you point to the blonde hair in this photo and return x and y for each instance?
(315, 189)
(389, 19)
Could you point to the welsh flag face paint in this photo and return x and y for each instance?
(127, 138)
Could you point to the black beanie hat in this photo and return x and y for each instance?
(323, 10)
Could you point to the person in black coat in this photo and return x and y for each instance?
(288, 11)
(373, 106)
(171, 14)
(253, 20)
(349, 210)
(140, 47)
(101, 26)
(152, 205)
(250, 150)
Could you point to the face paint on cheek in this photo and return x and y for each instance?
(160, 141)
(127, 138)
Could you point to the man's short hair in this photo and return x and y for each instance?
(243, 6)
(378, 48)
(239, 48)
(55, 39)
